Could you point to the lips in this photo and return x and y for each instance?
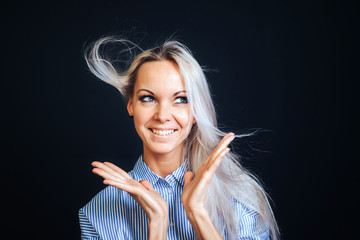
(162, 132)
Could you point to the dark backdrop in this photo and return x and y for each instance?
(284, 66)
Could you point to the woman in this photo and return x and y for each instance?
(187, 184)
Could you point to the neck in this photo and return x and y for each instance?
(163, 164)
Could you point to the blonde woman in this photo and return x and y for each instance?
(186, 184)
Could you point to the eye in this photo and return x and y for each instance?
(181, 100)
(147, 98)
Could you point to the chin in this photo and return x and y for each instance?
(161, 149)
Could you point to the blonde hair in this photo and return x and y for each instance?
(231, 181)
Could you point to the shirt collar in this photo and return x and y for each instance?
(143, 172)
(178, 174)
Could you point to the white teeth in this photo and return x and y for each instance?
(162, 132)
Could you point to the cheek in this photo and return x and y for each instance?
(185, 119)
(142, 117)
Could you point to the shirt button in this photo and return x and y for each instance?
(169, 191)
(171, 224)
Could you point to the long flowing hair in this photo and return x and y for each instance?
(230, 181)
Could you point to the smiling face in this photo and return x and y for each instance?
(162, 115)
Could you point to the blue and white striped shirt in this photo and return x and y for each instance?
(114, 214)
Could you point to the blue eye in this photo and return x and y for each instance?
(181, 100)
(147, 98)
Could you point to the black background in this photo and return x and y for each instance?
(286, 66)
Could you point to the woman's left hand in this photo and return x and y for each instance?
(195, 189)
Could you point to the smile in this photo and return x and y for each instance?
(162, 132)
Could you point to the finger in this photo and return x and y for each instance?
(105, 168)
(105, 174)
(224, 143)
(117, 169)
(120, 185)
(147, 185)
(217, 161)
(188, 176)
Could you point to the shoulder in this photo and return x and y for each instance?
(103, 200)
(251, 225)
(109, 199)
(105, 214)
(108, 206)
(94, 214)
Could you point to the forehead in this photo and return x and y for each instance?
(160, 76)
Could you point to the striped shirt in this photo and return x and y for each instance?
(114, 214)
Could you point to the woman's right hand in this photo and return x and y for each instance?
(154, 205)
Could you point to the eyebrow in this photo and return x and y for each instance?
(178, 92)
(144, 90)
(182, 91)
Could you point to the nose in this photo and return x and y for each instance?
(162, 113)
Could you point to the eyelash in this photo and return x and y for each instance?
(183, 100)
(142, 98)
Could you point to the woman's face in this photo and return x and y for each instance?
(162, 115)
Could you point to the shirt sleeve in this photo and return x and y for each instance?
(87, 230)
(251, 228)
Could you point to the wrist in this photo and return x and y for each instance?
(201, 221)
(197, 212)
(157, 223)
(158, 229)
